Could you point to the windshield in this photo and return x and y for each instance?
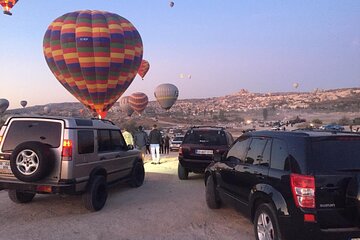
(178, 139)
(336, 154)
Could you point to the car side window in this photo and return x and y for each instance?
(239, 149)
(104, 141)
(279, 154)
(85, 141)
(117, 140)
(266, 154)
(255, 152)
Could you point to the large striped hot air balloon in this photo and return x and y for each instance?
(138, 101)
(144, 68)
(8, 5)
(166, 94)
(125, 106)
(95, 55)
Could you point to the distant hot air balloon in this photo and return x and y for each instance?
(8, 5)
(171, 4)
(125, 106)
(23, 103)
(295, 85)
(144, 68)
(189, 76)
(95, 55)
(138, 101)
(182, 75)
(47, 109)
(4, 104)
(166, 94)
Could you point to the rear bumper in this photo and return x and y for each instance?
(61, 187)
(293, 229)
(194, 165)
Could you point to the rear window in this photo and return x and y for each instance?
(336, 154)
(178, 139)
(205, 137)
(40, 131)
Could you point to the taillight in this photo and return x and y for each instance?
(67, 150)
(180, 151)
(303, 190)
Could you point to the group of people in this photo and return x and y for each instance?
(155, 143)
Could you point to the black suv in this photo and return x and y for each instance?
(198, 147)
(293, 185)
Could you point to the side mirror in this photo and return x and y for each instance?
(130, 147)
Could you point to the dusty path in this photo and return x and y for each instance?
(163, 208)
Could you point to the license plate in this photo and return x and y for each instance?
(205, 152)
(5, 167)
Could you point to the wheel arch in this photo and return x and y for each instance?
(264, 193)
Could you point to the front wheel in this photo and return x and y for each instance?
(137, 175)
(183, 173)
(20, 197)
(95, 197)
(266, 226)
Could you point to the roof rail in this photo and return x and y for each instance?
(207, 126)
(320, 130)
(104, 120)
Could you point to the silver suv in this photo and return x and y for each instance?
(65, 156)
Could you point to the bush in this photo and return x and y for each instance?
(356, 121)
(344, 121)
(317, 121)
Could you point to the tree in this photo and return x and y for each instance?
(265, 114)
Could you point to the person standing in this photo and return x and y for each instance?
(128, 137)
(167, 144)
(162, 145)
(155, 139)
(140, 140)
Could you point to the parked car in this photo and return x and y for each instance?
(66, 156)
(198, 147)
(332, 127)
(292, 185)
(176, 142)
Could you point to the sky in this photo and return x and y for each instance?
(225, 45)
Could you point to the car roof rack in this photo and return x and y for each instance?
(208, 126)
(104, 120)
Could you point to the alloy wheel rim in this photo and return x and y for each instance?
(265, 229)
(27, 162)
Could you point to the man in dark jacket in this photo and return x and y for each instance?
(155, 139)
(140, 140)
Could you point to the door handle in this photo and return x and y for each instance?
(103, 158)
(117, 156)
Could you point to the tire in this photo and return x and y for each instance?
(20, 197)
(183, 173)
(212, 198)
(31, 161)
(265, 216)
(137, 175)
(95, 197)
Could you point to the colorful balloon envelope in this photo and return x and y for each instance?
(4, 104)
(144, 68)
(23, 103)
(295, 85)
(95, 55)
(166, 94)
(125, 106)
(8, 5)
(138, 101)
(171, 4)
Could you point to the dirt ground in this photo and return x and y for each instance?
(163, 208)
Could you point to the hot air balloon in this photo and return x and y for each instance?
(23, 103)
(295, 85)
(4, 104)
(8, 5)
(144, 68)
(171, 4)
(138, 101)
(125, 106)
(95, 55)
(47, 109)
(166, 94)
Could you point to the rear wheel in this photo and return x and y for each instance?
(266, 226)
(183, 173)
(137, 175)
(20, 197)
(95, 197)
(212, 198)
